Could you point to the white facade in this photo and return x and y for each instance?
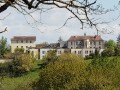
(43, 52)
(25, 42)
(60, 51)
(82, 52)
(21, 45)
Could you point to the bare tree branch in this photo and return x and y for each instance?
(78, 8)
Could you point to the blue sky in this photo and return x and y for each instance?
(18, 24)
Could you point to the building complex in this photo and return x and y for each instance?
(81, 45)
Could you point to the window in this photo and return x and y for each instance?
(79, 52)
(43, 52)
(17, 41)
(26, 46)
(17, 46)
(71, 43)
(71, 47)
(26, 41)
(86, 52)
(99, 43)
(75, 52)
(21, 46)
(90, 42)
(21, 41)
(90, 52)
(30, 41)
(99, 47)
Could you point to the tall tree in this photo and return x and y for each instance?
(110, 43)
(3, 47)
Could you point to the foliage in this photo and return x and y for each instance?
(117, 49)
(110, 43)
(110, 49)
(70, 72)
(67, 73)
(19, 50)
(9, 56)
(60, 39)
(21, 64)
(104, 72)
(108, 52)
(3, 47)
(93, 55)
(49, 57)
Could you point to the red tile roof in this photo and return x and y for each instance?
(23, 38)
(77, 38)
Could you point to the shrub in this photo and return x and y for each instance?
(21, 64)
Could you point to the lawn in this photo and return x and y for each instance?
(16, 82)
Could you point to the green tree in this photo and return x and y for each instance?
(110, 43)
(117, 49)
(21, 64)
(108, 52)
(60, 39)
(110, 48)
(3, 47)
(67, 73)
(50, 57)
(19, 50)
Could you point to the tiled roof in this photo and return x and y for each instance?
(77, 38)
(23, 38)
(41, 45)
(51, 45)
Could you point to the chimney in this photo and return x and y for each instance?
(84, 34)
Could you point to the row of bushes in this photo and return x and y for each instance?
(71, 72)
(21, 64)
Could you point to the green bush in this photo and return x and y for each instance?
(49, 57)
(67, 73)
(70, 72)
(21, 64)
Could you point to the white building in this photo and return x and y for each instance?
(43, 51)
(25, 42)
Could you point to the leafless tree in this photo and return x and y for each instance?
(79, 8)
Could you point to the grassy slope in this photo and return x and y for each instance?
(13, 83)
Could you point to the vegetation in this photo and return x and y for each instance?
(19, 50)
(3, 47)
(70, 72)
(22, 82)
(49, 57)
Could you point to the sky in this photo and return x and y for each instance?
(45, 26)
